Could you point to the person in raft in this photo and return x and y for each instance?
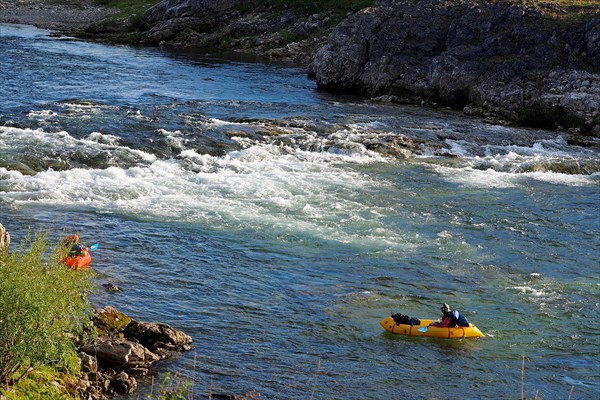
(72, 244)
(450, 318)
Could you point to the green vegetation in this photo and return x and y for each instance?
(536, 116)
(128, 7)
(172, 388)
(314, 6)
(43, 307)
(44, 383)
(578, 5)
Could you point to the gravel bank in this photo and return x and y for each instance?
(55, 15)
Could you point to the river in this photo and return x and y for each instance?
(235, 201)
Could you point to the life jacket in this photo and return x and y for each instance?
(76, 250)
(459, 319)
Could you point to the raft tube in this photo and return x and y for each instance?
(457, 332)
(79, 262)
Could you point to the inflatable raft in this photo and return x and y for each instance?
(79, 262)
(457, 332)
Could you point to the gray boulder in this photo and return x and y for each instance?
(113, 351)
(157, 336)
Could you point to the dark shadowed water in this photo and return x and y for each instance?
(236, 202)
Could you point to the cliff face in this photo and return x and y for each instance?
(243, 25)
(516, 61)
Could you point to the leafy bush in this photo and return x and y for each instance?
(43, 307)
(313, 6)
(172, 388)
(536, 116)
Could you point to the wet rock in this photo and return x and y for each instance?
(157, 336)
(138, 372)
(111, 287)
(123, 383)
(119, 355)
(113, 351)
(223, 396)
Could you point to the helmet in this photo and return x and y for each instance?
(446, 306)
(74, 238)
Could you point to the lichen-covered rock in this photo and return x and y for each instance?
(109, 319)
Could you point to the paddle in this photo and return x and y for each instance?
(423, 329)
(94, 246)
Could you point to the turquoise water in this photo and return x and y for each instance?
(235, 201)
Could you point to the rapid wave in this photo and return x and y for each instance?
(270, 187)
(510, 165)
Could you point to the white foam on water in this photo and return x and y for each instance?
(20, 140)
(491, 178)
(511, 166)
(41, 114)
(103, 138)
(175, 139)
(529, 291)
(277, 189)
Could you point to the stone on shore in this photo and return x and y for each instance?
(124, 349)
(111, 351)
(158, 336)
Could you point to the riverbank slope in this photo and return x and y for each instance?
(73, 16)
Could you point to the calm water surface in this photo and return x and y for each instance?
(235, 201)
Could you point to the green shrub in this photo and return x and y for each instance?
(43, 307)
(536, 116)
(172, 388)
(314, 6)
(137, 23)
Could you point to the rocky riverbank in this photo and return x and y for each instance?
(528, 62)
(73, 16)
(123, 352)
(522, 63)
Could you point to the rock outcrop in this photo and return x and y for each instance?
(124, 350)
(524, 63)
(247, 26)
